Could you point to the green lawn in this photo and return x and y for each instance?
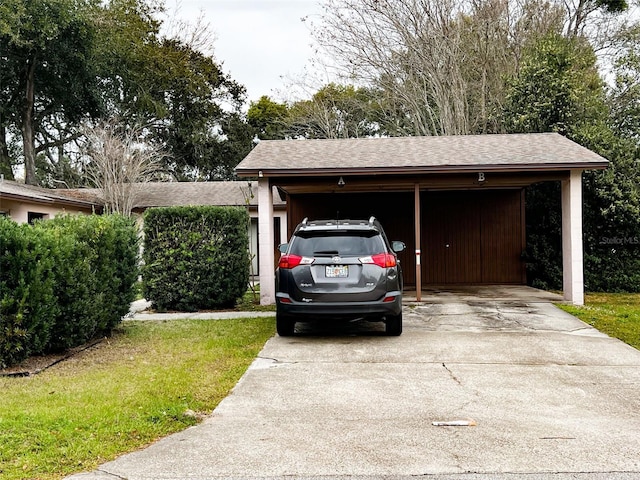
(616, 314)
(147, 381)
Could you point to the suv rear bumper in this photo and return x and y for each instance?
(303, 311)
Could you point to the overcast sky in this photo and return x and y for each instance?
(260, 43)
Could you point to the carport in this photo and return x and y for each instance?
(456, 201)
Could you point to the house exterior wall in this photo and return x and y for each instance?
(279, 234)
(19, 210)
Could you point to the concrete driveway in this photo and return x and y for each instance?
(550, 397)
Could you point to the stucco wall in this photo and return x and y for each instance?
(19, 211)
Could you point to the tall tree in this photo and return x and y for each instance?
(171, 87)
(410, 49)
(443, 64)
(557, 88)
(10, 12)
(268, 118)
(544, 97)
(495, 33)
(335, 111)
(624, 96)
(47, 69)
(580, 14)
(440, 64)
(196, 125)
(66, 61)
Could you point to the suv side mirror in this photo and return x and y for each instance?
(283, 247)
(398, 246)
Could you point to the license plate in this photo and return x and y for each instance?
(337, 271)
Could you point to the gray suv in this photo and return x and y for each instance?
(339, 269)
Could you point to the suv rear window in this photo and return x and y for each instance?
(318, 244)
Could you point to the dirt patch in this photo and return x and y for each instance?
(39, 363)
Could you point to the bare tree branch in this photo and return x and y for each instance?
(120, 163)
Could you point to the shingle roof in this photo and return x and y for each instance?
(171, 194)
(543, 151)
(153, 194)
(20, 191)
(230, 193)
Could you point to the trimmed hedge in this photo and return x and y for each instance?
(63, 282)
(28, 305)
(95, 273)
(195, 258)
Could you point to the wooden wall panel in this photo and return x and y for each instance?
(502, 241)
(483, 230)
(472, 237)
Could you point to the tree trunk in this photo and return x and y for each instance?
(28, 134)
(5, 161)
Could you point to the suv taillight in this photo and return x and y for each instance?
(384, 260)
(290, 261)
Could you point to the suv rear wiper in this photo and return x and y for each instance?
(326, 252)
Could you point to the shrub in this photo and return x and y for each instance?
(95, 271)
(544, 236)
(27, 301)
(63, 281)
(114, 239)
(195, 257)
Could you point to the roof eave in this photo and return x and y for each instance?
(49, 200)
(26, 198)
(311, 172)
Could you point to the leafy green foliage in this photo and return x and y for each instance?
(558, 89)
(543, 216)
(27, 299)
(63, 281)
(335, 111)
(173, 89)
(48, 72)
(95, 271)
(195, 257)
(624, 96)
(65, 62)
(611, 215)
(268, 118)
(554, 90)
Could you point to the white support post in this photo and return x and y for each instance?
(284, 237)
(572, 254)
(265, 242)
(417, 230)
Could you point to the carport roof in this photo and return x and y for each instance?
(404, 155)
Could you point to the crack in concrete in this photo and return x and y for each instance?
(262, 362)
(451, 374)
(111, 474)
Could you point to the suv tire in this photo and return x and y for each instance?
(393, 325)
(285, 326)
